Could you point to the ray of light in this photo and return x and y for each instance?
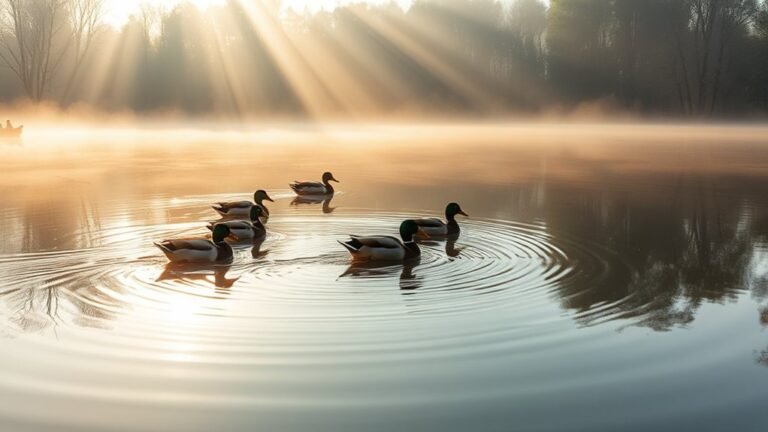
(309, 88)
(428, 59)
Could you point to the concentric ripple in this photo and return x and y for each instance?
(290, 306)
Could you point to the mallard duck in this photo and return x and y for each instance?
(245, 230)
(243, 208)
(199, 250)
(436, 227)
(385, 248)
(315, 188)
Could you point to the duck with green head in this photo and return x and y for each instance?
(386, 248)
(189, 251)
(243, 208)
(245, 230)
(315, 188)
(436, 228)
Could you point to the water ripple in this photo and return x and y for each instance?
(291, 302)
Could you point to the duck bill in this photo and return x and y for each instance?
(269, 199)
(422, 234)
(463, 214)
(333, 179)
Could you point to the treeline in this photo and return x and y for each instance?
(658, 57)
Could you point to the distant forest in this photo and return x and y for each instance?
(653, 57)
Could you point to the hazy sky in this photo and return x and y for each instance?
(118, 11)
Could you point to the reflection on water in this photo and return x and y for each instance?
(595, 262)
(213, 275)
(379, 270)
(325, 200)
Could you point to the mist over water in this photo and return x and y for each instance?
(606, 272)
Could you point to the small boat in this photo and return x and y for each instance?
(14, 132)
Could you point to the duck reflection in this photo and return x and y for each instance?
(325, 200)
(451, 251)
(256, 251)
(404, 271)
(199, 274)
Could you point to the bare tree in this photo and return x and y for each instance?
(28, 29)
(85, 17)
(712, 25)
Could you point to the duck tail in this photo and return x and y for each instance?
(294, 187)
(350, 247)
(168, 252)
(220, 210)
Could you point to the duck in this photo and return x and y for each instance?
(315, 188)
(245, 230)
(386, 248)
(199, 251)
(436, 227)
(243, 208)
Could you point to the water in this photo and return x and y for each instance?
(609, 277)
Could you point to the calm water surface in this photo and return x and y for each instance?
(611, 277)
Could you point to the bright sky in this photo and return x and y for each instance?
(118, 11)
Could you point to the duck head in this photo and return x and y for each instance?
(220, 233)
(410, 228)
(328, 177)
(452, 210)
(260, 196)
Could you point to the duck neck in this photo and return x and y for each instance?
(328, 188)
(407, 238)
(450, 217)
(224, 251)
(411, 248)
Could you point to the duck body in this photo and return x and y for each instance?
(315, 188)
(245, 230)
(243, 208)
(436, 228)
(199, 251)
(234, 208)
(385, 248)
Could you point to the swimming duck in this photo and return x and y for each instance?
(315, 188)
(385, 248)
(243, 208)
(436, 227)
(199, 250)
(245, 230)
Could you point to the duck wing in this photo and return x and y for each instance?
(377, 242)
(308, 187)
(430, 223)
(192, 244)
(237, 225)
(234, 205)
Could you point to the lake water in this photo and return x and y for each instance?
(609, 278)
